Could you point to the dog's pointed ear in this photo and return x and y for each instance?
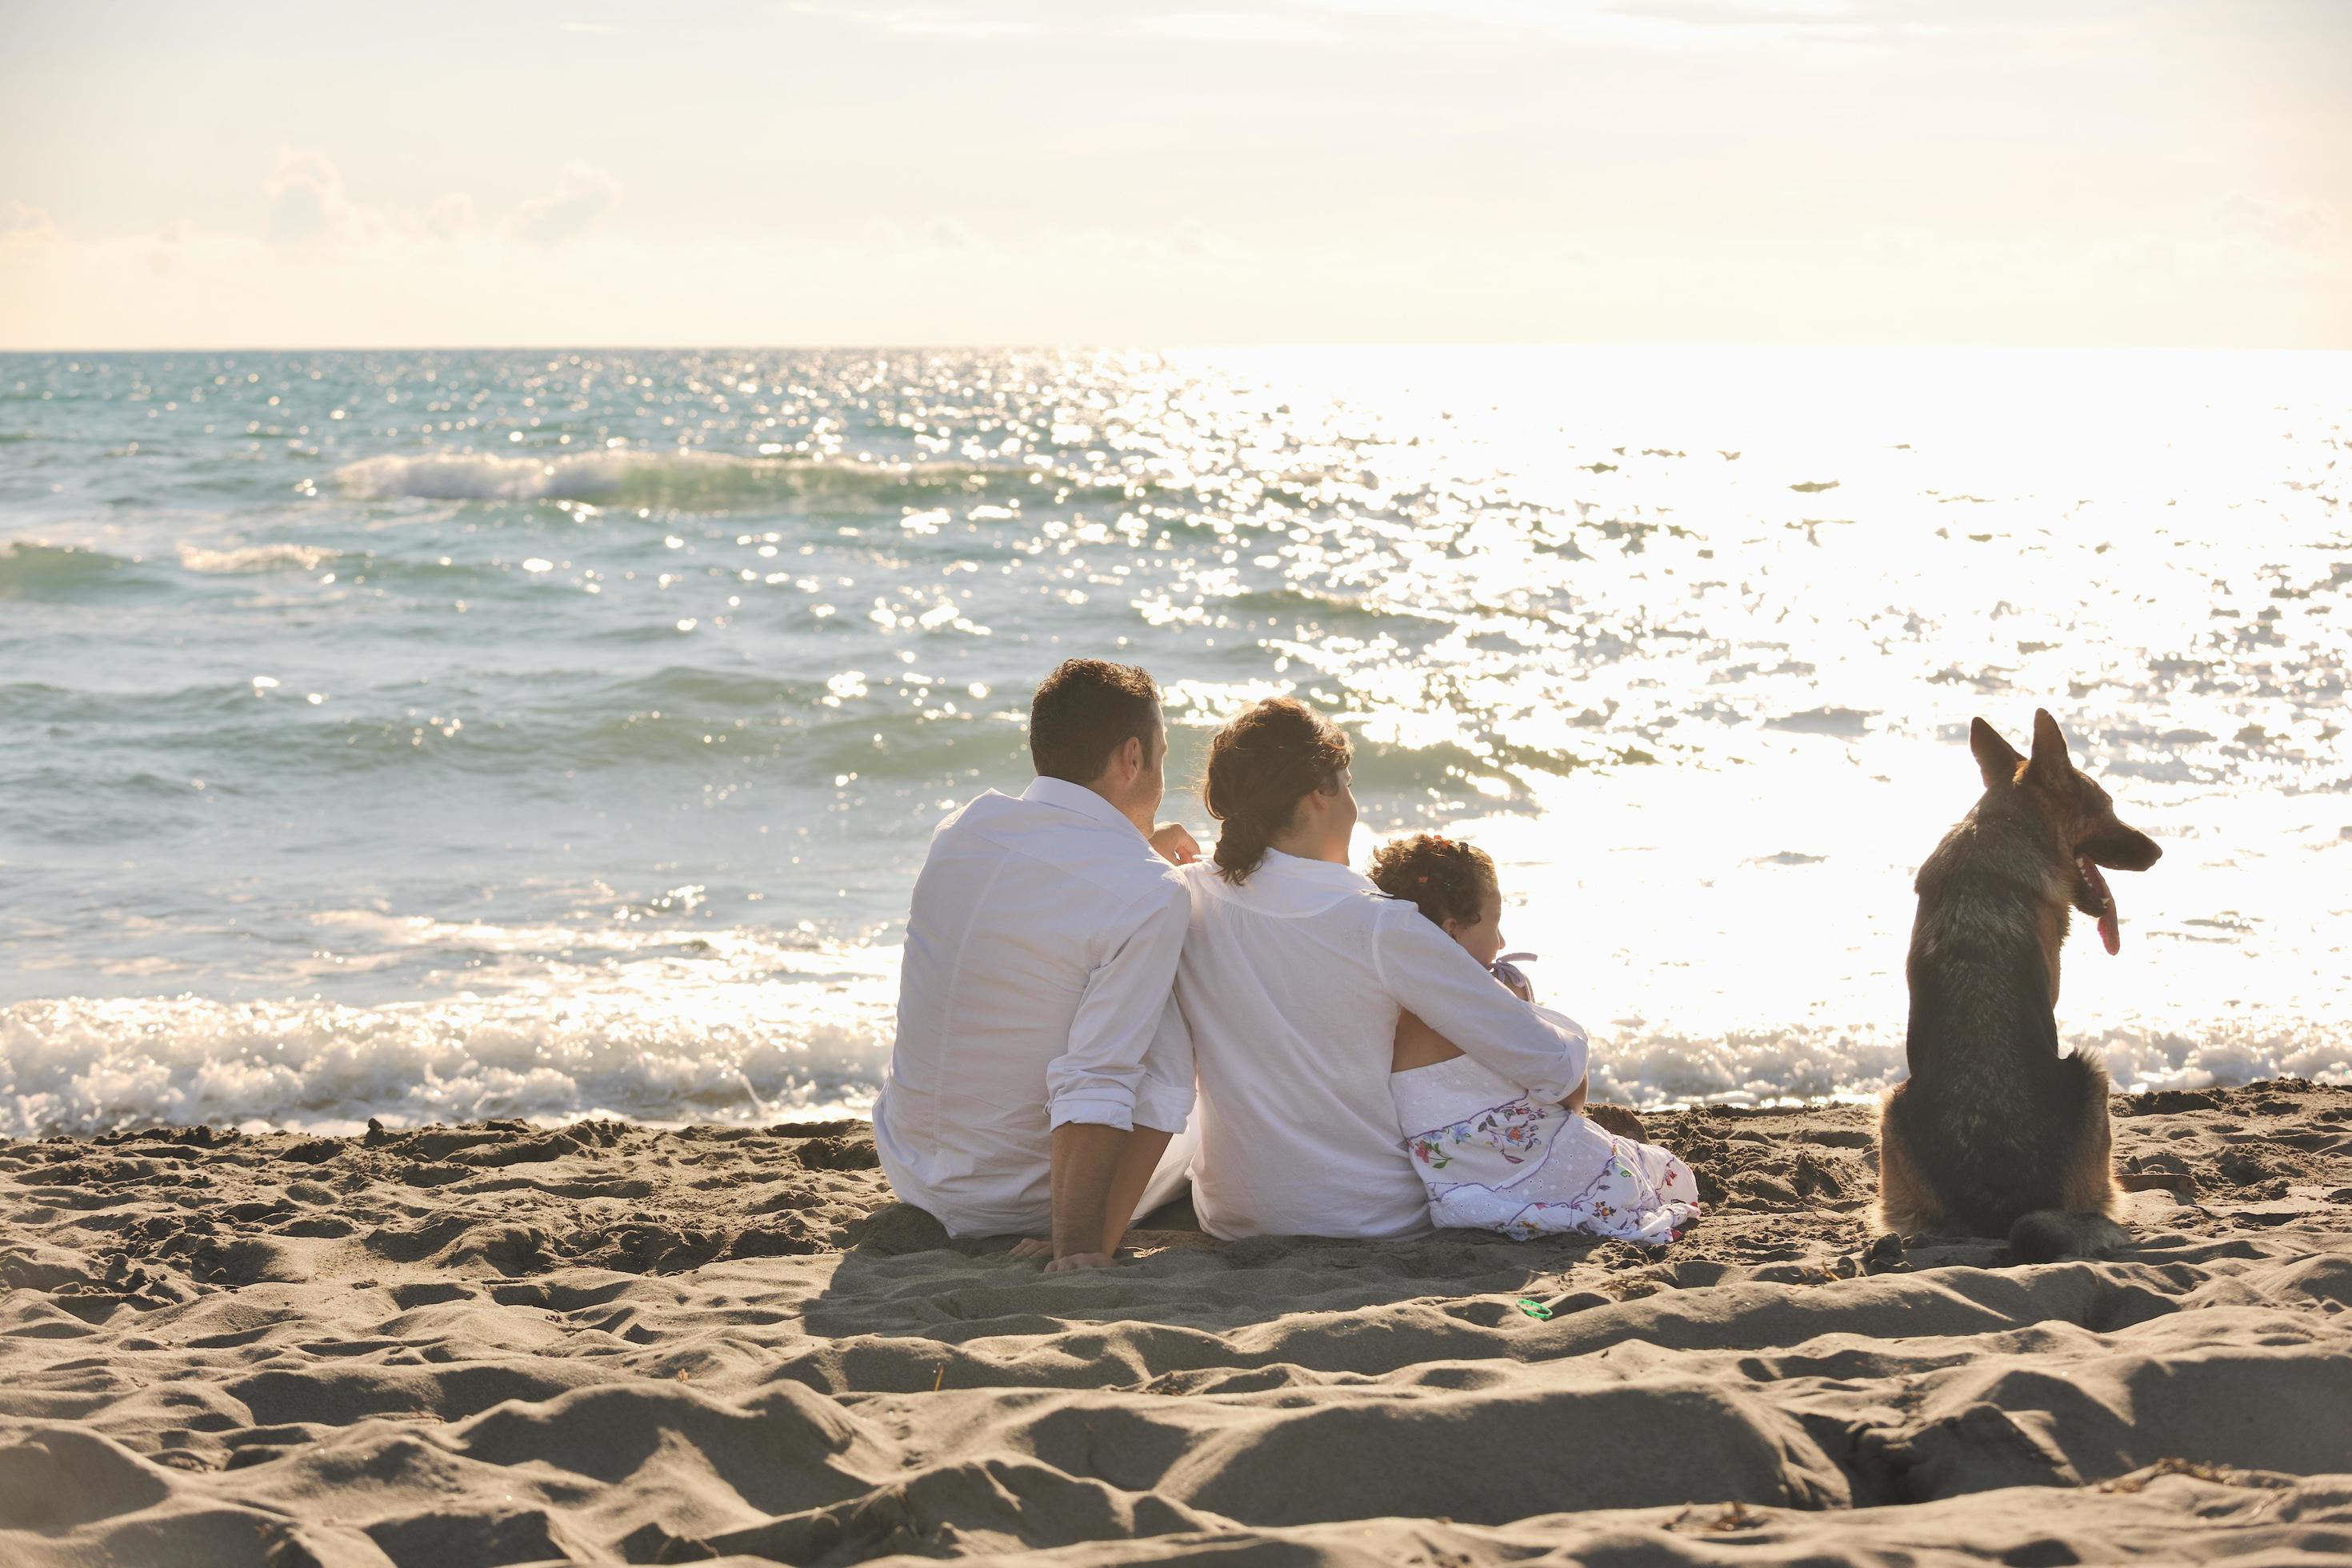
(1997, 760)
(2050, 759)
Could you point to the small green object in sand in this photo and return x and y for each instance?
(1536, 1310)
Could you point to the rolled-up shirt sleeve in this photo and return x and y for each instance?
(1101, 1077)
(1431, 978)
(1163, 1099)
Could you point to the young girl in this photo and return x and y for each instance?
(1491, 1158)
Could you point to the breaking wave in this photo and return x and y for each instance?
(748, 1052)
(695, 481)
(256, 558)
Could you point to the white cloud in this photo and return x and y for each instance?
(584, 196)
(310, 210)
(1196, 241)
(22, 225)
(884, 238)
(1170, 284)
(1235, 28)
(2292, 225)
(1862, 27)
(950, 235)
(1813, 258)
(450, 216)
(307, 205)
(931, 21)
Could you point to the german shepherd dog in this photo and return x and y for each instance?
(1995, 1132)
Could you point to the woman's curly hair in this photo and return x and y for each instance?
(1262, 763)
(1446, 878)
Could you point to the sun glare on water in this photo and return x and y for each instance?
(1689, 638)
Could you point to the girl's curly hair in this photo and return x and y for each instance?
(1446, 878)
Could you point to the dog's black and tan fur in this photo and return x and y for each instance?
(1996, 1133)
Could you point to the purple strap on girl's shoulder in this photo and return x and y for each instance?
(1506, 970)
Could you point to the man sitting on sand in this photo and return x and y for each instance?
(1021, 1097)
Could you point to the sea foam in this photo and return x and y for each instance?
(83, 1065)
(256, 558)
(750, 1051)
(688, 480)
(481, 476)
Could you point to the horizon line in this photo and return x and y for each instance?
(1403, 345)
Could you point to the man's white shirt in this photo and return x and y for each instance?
(1041, 946)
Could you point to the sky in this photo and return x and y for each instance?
(1090, 172)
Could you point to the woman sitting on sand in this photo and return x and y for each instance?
(1492, 1155)
(1294, 972)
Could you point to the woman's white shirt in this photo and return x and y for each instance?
(1289, 987)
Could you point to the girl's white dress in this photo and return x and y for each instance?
(1493, 1160)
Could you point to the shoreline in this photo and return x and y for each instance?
(503, 1342)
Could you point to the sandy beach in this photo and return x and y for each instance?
(609, 615)
(504, 1344)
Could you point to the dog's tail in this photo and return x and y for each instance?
(2046, 1235)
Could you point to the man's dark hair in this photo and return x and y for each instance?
(1083, 711)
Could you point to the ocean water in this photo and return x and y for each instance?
(441, 735)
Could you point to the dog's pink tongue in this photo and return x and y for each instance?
(2111, 929)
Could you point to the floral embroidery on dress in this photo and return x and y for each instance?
(1514, 1130)
(1526, 1169)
